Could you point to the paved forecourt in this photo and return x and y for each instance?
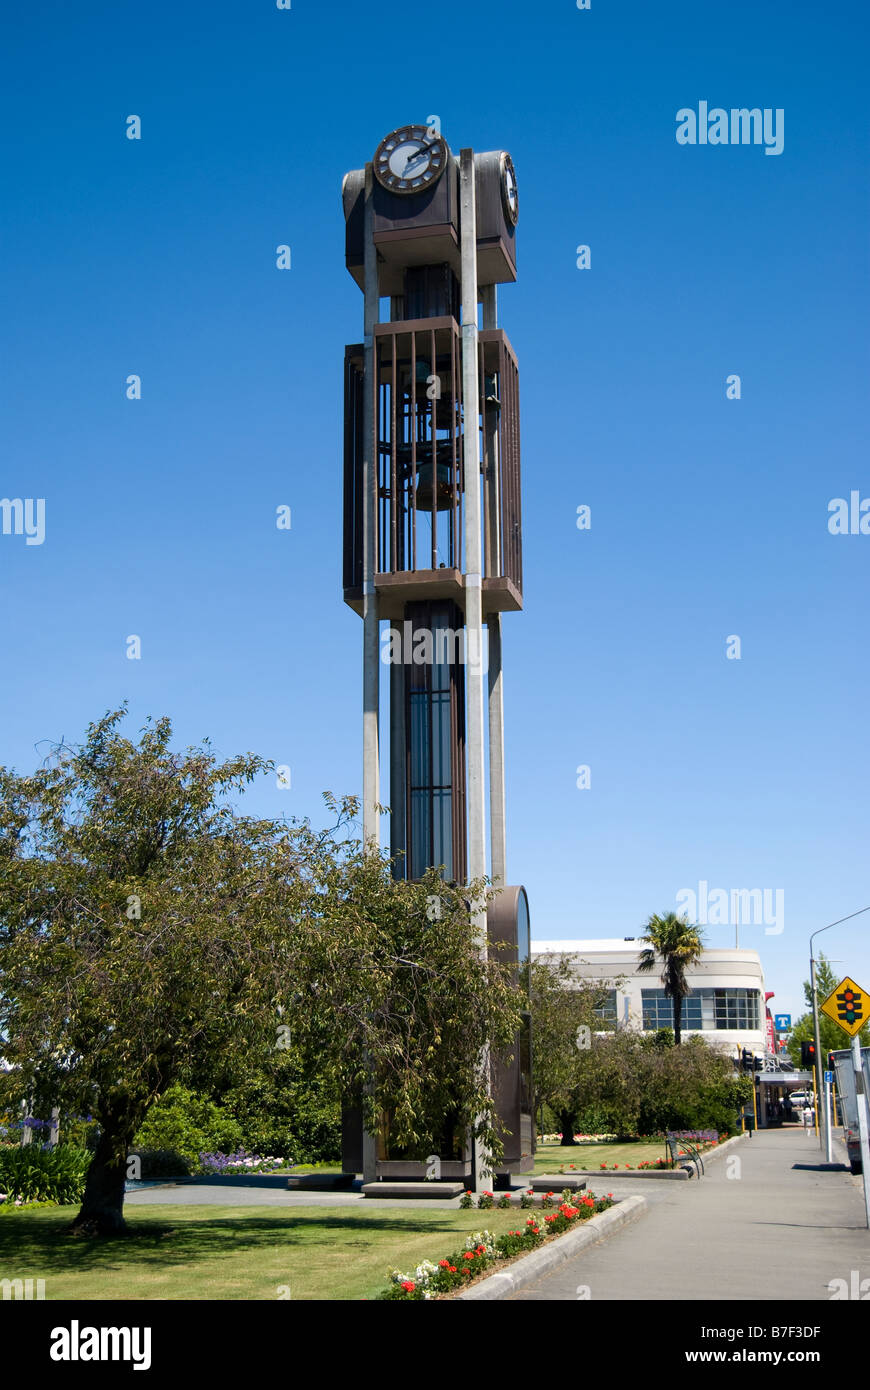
(773, 1225)
(250, 1194)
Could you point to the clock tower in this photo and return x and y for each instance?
(433, 548)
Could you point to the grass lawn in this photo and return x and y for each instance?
(219, 1252)
(550, 1157)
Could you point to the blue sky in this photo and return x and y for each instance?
(709, 516)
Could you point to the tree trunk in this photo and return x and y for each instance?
(102, 1209)
(566, 1120)
(678, 1018)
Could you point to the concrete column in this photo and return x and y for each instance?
(473, 565)
(498, 834)
(397, 769)
(371, 654)
(371, 691)
(497, 846)
(473, 560)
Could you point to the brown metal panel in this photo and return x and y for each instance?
(512, 1080)
(434, 433)
(413, 489)
(353, 516)
(394, 491)
(405, 214)
(415, 326)
(454, 428)
(499, 356)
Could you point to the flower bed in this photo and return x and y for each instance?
(581, 1138)
(483, 1250)
(703, 1139)
(694, 1136)
(240, 1163)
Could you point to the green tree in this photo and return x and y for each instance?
(151, 934)
(675, 945)
(831, 1035)
(564, 1020)
(645, 1084)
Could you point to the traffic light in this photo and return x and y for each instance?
(808, 1055)
(850, 1006)
(746, 1060)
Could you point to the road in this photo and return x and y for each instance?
(774, 1225)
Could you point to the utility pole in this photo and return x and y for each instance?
(824, 1128)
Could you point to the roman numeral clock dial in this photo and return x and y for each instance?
(410, 160)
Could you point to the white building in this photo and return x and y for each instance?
(726, 1005)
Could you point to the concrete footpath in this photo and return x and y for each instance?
(767, 1221)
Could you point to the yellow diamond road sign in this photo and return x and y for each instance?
(848, 1006)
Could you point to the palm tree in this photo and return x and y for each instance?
(676, 945)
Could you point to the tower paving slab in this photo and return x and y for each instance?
(784, 1228)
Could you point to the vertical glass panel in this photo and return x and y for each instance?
(419, 738)
(441, 739)
(442, 847)
(420, 833)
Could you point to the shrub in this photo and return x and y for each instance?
(285, 1108)
(33, 1174)
(160, 1163)
(186, 1123)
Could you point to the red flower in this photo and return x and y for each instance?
(445, 1264)
(468, 1255)
(408, 1285)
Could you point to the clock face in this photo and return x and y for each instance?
(509, 193)
(410, 160)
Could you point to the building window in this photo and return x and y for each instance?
(737, 1009)
(607, 1008)
(658, 1011)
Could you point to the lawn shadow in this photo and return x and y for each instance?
(49, 1243)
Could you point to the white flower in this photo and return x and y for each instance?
(423, 1274)
(484, 1238)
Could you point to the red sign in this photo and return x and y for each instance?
(771, 1035)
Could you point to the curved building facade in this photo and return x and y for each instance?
(726, 1004)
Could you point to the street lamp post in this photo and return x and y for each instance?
(824, 1128)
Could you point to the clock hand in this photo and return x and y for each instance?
(416, 155)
